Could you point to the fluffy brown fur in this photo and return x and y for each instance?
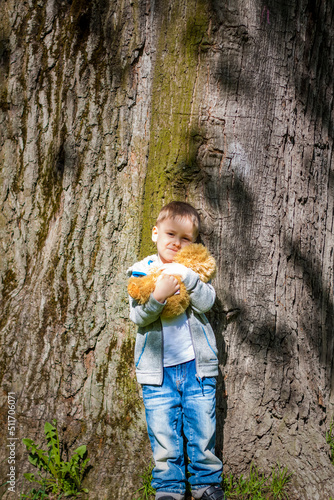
(194, 256)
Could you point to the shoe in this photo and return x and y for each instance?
(213, 493)
(166, 497)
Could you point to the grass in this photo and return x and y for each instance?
(146, 492)
(258, 486)
(255, 486)
(330, 439)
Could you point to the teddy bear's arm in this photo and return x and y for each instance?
(141, 288)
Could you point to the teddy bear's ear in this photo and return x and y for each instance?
(197, 258)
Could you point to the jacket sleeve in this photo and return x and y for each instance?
(144, 314)
(202, 295)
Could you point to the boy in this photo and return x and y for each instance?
(176, 363)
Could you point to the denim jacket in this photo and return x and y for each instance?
(149, 341)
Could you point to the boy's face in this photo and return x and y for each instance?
(171, 235)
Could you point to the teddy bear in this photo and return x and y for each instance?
(194, 256)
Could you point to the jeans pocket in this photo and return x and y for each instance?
(209, 385)
(212, 381)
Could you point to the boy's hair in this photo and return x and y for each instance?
(179, 210)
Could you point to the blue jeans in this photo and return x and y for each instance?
(182, 405)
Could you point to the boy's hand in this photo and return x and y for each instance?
(166, 287)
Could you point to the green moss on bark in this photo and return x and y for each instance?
(171, 162)
(126, 385)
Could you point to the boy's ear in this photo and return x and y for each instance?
(155, 234)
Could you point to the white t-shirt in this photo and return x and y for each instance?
(178, 346)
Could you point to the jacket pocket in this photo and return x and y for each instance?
(212, 344)
(140, 348)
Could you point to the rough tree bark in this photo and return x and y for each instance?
(110, 108)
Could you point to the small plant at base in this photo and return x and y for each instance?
(146, 491)
(257, 486)
(250, 487)
(279, 480)
(330, 439)
(60, 477)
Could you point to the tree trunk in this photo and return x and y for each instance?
(109, 109)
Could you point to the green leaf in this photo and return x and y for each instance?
(65, 467)
(81, 450)
(53, 442)
(42, 461)
(28, 442)
(29, 476)
(49, 428)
